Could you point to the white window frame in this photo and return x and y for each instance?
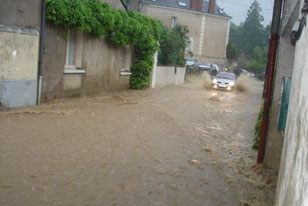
(70, 67)
(174, 22)
(190, 45)
(69, 41)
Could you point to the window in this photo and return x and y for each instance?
(126, 61)
(189, 45)
(70, 48)
(73, 53)
(174, 21)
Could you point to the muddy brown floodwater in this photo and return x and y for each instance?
(172, 146)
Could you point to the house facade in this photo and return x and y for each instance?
(208, 25)
(77, 63)
(293, 174)
(41, 63)
(283, 73)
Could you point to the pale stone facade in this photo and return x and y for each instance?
(209, 33)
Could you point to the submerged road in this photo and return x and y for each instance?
(172, 146)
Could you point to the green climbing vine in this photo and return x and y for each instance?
(119, 27)
(256, 140)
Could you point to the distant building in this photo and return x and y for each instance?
(207, 23)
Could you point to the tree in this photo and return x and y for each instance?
(172, 46)
(253, 30)
(236, 36)
(231, 52)
(258, 61)
(267, 33)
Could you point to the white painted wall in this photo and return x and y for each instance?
(166, 76)
(18, 56)
(19, 49)
(292, 187)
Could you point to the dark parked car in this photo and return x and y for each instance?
(212, 69)
(191, 61)
(238, 71)
(260, 76)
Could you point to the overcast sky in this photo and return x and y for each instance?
(237, 9)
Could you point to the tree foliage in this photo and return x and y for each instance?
(172, 46)
(119, 27)
(253, 30)
(236, 36)
(256, 140)
(250, 38)
(231, 52)
(258, 61)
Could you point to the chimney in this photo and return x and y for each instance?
(212, 4)
(196, 5)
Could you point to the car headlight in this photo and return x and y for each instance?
(231, 84)
(214, 81)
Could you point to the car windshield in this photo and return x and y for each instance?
(225, 75)
(206, 64)
(189, 59)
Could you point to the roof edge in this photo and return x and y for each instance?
(188, 10)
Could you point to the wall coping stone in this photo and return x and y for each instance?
(19, 30)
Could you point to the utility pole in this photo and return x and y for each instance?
(270, 72)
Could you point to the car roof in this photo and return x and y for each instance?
(226, 73)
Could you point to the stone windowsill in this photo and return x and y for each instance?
(71, 69)
(125, 73)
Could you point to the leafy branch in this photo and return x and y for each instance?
(119, 27)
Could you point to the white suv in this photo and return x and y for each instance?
(191, 61)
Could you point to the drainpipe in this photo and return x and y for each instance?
(125, 4)
(41, 53)
(270, 72)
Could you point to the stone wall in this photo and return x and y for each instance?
(21, 13)
(18, 68)
(293, 176)
(100, 63)
(115, 4)
(167, 76)
(284, 69)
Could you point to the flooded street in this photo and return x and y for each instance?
(175, 146)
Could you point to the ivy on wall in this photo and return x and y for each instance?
(119, 27)
(256, 140)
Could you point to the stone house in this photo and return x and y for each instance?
(284, 70)
(293, 174)
(207, 23)
(76, 63)
(41, 61)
